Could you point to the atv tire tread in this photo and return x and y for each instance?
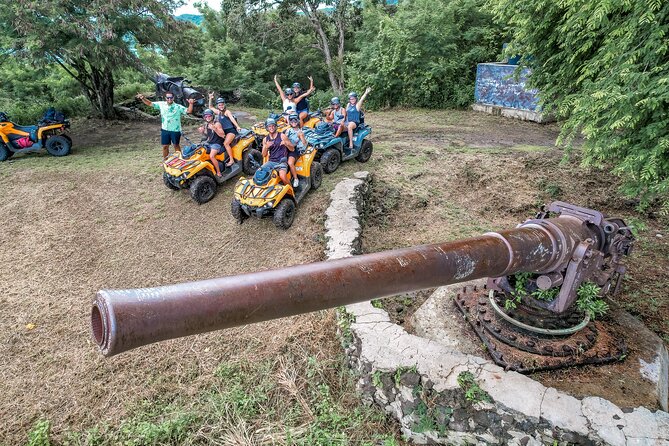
(168, 183)
(247, 156)
(330, 160)
(58, 145)
(316, 177)
(5, 153)
(365, 151)
(284, 214)
(203, 189)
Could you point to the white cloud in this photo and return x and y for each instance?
(188, 7)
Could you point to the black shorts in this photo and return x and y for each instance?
(167, 137)
(231, 130)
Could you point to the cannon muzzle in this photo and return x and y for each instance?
(125, 319)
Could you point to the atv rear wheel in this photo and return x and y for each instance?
(5, 153)
(284, 214)
(236, 211)
(316, 175)
(331, 160)
(251, 161)
(58, 145)
(203, 189)
(168, 183)
(365, 151)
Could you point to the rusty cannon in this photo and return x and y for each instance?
(531, 307)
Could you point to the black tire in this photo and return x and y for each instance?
(203, 189)
(68, 138)
(236, 211)
(284, 214)
(167, 182)
(316, 175)
(58, 145)
(251, 161)
(331, 160)
(365, 151)
(5, 153)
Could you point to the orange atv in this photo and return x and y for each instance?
(50, 133)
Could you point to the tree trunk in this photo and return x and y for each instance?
(311, 11)
(103, 85)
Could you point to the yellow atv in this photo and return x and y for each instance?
(192, 168)
(265, 195)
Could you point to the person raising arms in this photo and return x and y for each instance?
(303, 104)
(228, 123)
(354, 113)
(170, 119)
(288, 99)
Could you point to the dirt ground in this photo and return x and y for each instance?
(101, 218)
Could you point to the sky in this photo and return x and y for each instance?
(188, 8)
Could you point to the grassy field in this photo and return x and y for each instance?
(101, 218)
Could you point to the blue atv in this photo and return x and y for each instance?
(332, 150)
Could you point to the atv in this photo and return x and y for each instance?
(50, 133)
(332, 150)
(265, 195)
(192, 169)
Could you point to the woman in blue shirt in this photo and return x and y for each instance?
(354, 113)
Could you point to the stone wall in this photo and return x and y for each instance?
(442, 396)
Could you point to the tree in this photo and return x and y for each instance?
(425, 54)
(89, 40)
(603, 67)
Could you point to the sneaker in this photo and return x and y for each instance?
(296, 182)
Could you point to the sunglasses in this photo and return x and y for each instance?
(169, 97)
(294, 120)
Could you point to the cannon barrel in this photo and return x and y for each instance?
(124, 319)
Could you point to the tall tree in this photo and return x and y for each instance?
(89, 40)
(603, 67)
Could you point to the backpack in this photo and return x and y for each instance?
(51, 115)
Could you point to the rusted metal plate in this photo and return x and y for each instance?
(516, 349)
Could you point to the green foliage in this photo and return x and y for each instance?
(588, 300)
(546, 295)
(344, 321)
(425, 54)
(39, 434)
(603, 67)
(473, 392)
(519, 290)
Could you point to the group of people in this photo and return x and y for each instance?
(283, 149)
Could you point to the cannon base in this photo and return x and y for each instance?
(526, 351)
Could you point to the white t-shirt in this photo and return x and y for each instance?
(289, 106)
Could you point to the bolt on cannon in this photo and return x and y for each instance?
(554, 256)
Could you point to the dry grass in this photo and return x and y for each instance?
(101, 218)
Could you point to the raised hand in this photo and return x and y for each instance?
(140, 96)
(211, 95)
(191, 101)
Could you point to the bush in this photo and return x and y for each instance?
(424, 55)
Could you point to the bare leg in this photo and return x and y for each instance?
(303, 118)
(166, 151)
(351, 127)
(340, 128)
(228, 148)
(293, 172)
(214, 161)
(283, 176)
(177, 147)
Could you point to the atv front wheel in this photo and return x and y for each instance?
(203, 189)
(330, 160)
(58, 145)
(5, 153)
(316, 175)
(251, 161)
(168, 183)
(365, 151)
(237, 212)
(284, 214)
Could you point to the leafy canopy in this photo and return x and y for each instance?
(603, 67)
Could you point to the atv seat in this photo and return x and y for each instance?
(31, 129)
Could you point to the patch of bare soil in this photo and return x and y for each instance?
(460, 174)
(69, 231)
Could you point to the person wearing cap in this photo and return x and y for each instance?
(336, 116)
(302, 106)
(170, 117)
(276, 145)
(354, 113)
(298, 140)
(215, 135)
(228, 123)
(288, 98)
